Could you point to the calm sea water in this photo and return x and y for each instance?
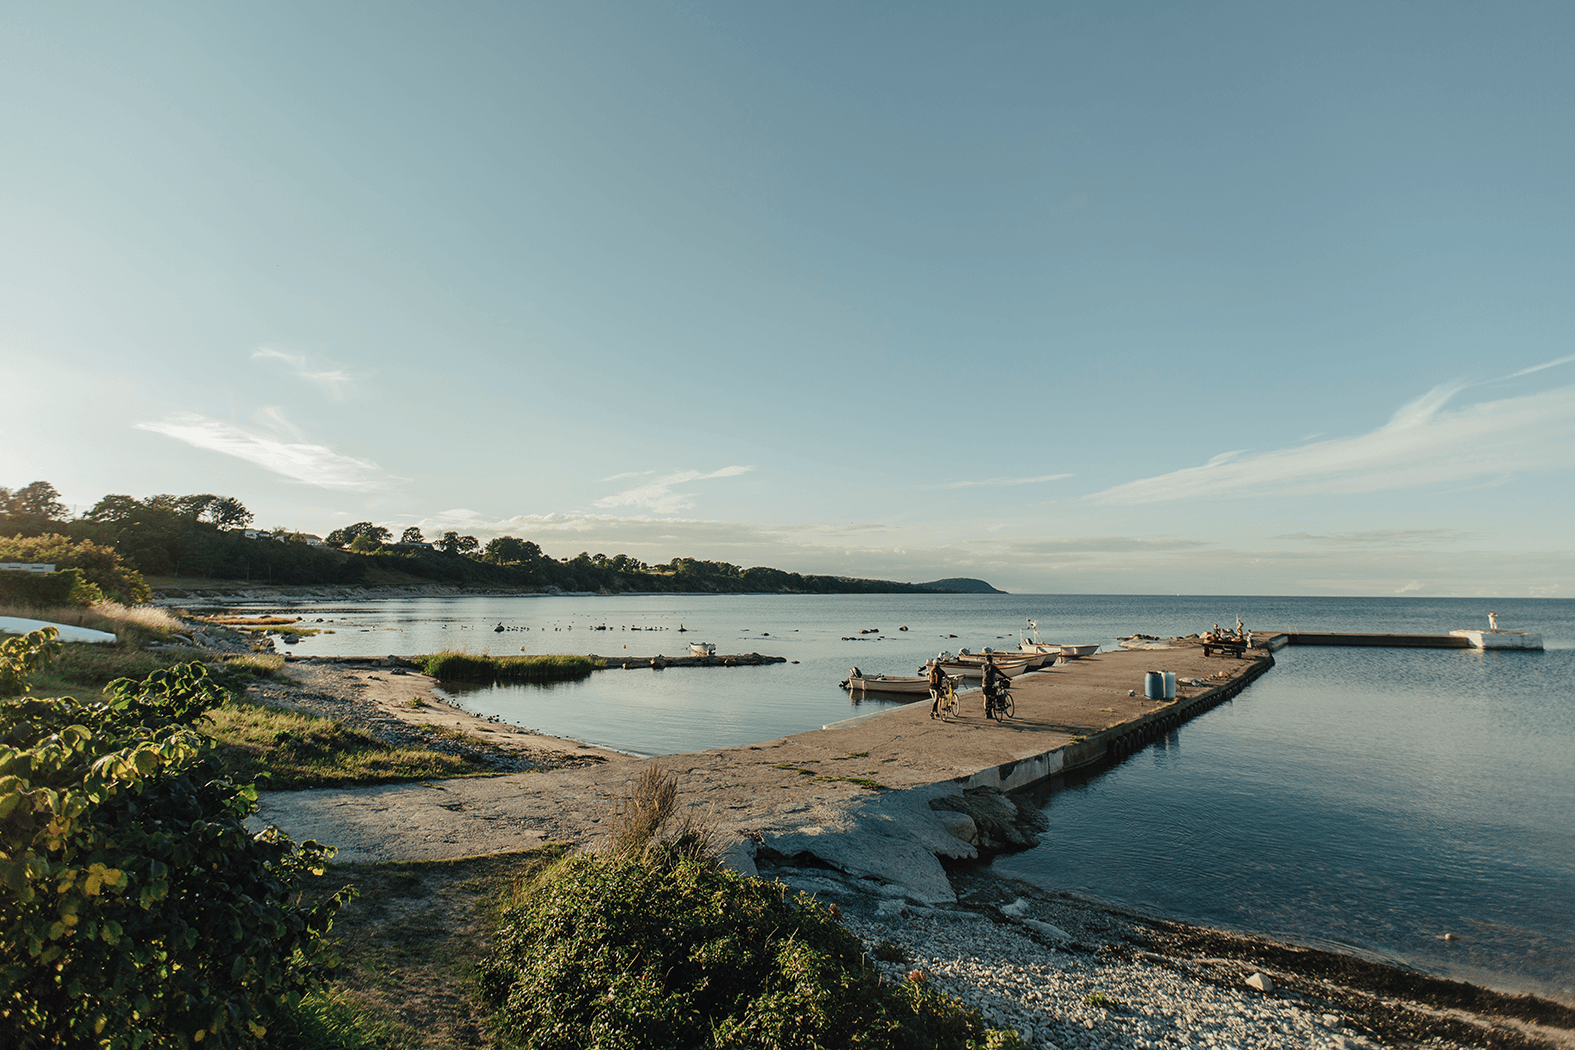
(1366, 799)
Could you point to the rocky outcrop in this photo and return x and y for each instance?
(992, 821)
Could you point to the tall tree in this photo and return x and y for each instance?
(39, 498)
(411, 535)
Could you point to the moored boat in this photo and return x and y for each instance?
(1066, 652)
(886, 683)
(971, 665)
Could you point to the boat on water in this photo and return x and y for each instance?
(1066, 652)
(971, 665)
(1033, 660)
(858, 681)
(702, 649)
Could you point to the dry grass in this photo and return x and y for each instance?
(136, 624)
(648, 810)
(258, 665)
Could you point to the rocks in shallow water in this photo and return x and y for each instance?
(1001, 823)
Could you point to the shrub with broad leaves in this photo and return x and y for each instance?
(136, 909)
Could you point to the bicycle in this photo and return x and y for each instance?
(1001, 708)
(947, 706)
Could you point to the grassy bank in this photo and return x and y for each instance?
(454, 666)
(284, 750)
(133, 625)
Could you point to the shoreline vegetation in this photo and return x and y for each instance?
(121, 542)
(455, 666)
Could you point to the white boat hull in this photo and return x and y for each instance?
(976, 670)
(881, 683)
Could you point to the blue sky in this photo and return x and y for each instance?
(1134, 298)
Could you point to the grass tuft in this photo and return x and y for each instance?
(256, 665)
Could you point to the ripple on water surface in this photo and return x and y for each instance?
(1371, 798)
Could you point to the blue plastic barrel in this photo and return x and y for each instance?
(1170, 685)
(1154, 685)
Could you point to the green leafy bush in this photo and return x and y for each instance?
(655, 949)
(65, 587)
(136, 910)
(100, 566)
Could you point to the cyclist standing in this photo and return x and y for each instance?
(937, 687)
(990, 676)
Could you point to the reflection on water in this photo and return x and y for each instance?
(1373, 799)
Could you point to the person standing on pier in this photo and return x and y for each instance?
(937, 687)
(990, 676)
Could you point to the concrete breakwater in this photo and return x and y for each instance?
(1119, 740)
(855, 796)
(630, 663)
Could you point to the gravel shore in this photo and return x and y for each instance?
(1067, 973)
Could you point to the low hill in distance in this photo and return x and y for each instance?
(961, 585)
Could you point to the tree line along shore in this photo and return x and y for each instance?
(121, 541)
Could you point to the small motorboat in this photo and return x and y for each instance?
(702, 649)
(858, 681)
(1066, 652)
(971, 665)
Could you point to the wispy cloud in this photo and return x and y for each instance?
(1384, 538)
(658, 495)
(1422, 444)
(299, 460)
(997, 482)
(1538, 368)
(1103, 545)
(336, 381)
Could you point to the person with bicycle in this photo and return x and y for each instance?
(991, 675)
(937, 687)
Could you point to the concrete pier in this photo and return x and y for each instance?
(855, 795)
(630, 663)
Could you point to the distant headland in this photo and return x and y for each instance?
(961, 585)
